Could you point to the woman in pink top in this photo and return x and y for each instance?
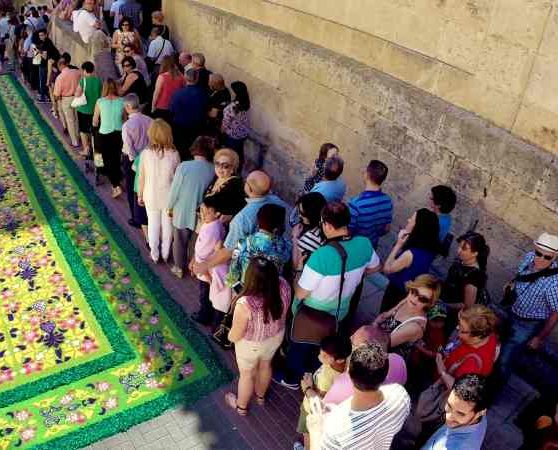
(156, 172)
(257, 330)
(168, 82)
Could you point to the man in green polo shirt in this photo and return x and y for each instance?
(319, 282)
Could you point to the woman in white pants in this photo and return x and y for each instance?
(158, 164)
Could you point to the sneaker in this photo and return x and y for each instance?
(298, 446)
(278, 378)
(116, 192)
(177, 272)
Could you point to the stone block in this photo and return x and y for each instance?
(419, 32)
(548, 190)
(520, 21)
(415, 109)
(504, 65)
(471, 138)
(366, 48)
(538, 125)
(430, 158)
(469, 179)
(387, 135)
(470, 10)
(530, 217)
(461, 44)
(500, 194)
(473, 94)
(543, 83)
(521, 164)
(549, 42)
(410, 66)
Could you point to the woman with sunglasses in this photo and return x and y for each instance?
(407, 321)
(124, 36)
(132, 82)
(257, 330)
(228, 187)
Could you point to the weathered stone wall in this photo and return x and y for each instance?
(498, 58)
(304, 95)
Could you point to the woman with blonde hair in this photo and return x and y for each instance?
(406, 322)
(228, 187)
(168, 82)
(108, 113)
(156, 172)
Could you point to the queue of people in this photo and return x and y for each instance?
(285, 283)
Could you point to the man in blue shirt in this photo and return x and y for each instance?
(466, 422)
(332, 187)
(372, 210)
(189, 109)
(442, 201)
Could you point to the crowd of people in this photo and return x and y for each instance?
(280, 284)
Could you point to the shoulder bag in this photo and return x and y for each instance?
(221, 334)
(510, 296)
(310, 325)
(431, 403)
(82, 99)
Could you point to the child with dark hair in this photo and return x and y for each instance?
(268, 242)
(334, 351)
(214, 295)
(327, 150)
(442, 202)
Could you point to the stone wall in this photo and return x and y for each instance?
(304, 95)
(498, 58)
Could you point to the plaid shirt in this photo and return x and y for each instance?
(537, 300)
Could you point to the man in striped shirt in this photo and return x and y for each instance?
(372, 416)
(372, 210)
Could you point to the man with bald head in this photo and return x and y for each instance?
(257, 189)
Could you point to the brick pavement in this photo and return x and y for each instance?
(211, 424)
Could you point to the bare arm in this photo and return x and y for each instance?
(240, 323)
(116, 40)
(127, 83)
(469, 295)
(395, 264)
(156, 93)
(549, 325)
(96, 115)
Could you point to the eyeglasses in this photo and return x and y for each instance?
(421, 298)
(125, 24)
(542, 255)
(126, 65)
(223, 165)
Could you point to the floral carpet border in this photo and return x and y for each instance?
(189, 393)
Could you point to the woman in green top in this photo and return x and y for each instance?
(108, 117)
(92, 85)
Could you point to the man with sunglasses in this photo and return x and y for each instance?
(534, 313)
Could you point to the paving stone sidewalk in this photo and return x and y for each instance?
(211, 424)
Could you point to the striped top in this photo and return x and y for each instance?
(257, 330)
(371, 211)
(310, 240)
(372, 429)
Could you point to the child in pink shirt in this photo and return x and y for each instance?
(214, 295)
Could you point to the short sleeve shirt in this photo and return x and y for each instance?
(322, 275)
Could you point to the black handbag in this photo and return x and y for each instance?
(221, 334)
(510, 295)
(310, 325)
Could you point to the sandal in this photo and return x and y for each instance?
(260, 400)
(230, 399)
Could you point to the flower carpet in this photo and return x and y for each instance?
(90, 343)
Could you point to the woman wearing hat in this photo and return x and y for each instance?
(534, 300)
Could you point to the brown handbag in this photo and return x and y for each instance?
(310, 325)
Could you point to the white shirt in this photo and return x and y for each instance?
(372, 429)
(159, 48)
(115, 9)
(28, 47)
(32, 22)
(84, 24)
